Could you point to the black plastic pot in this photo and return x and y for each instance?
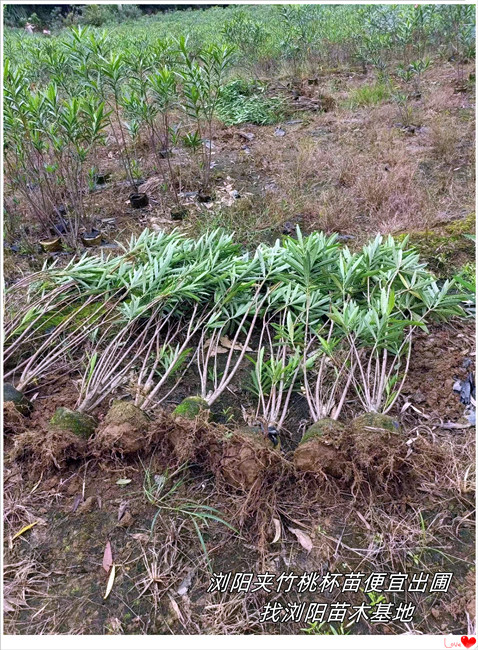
(138, 200)
(178, 214)
(205, 197)
(92, 238)
(60, 211)
(101, 179)
(60, 227)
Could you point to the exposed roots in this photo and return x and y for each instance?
(13, 420)
(44, 450)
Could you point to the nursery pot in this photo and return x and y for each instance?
(60, 211)
(205, 196)
(138, 200)
(51, 245)
(92, 238)
(101, 179)
(178, 214)
(60, 227)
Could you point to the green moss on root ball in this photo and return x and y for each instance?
(78, 423)
(328, 430)
(191, 407)
(320, 450)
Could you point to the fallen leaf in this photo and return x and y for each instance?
(7, 608)
(215, 350)
(126, 520)
(186, 583)
(175, 608)
(24, 530)
(278, 530)
(303, 538)
(111, 580)
(36, 484)
(123, 481)
(77, 502)
(227, 343)
(122, 509)
(107, 558)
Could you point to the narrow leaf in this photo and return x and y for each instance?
(111, 580)
(24, 530)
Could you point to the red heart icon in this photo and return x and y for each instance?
(468, 641)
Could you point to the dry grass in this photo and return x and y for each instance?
(357, 172)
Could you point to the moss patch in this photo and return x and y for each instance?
(328, 430)
(446, 249)
(191, 407)
(21, 403)
(80, 424)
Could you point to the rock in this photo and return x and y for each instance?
(470, 415)
(288, 228)
(124, 430)
(205, 197)
(80, 424)
(190, 407)
(279, 132)
(21, 403)
(468, 389)
(321, 449)
(178, 214)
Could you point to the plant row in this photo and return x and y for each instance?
(309, 316)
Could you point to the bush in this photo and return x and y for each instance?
(128, 12)
(97, 15)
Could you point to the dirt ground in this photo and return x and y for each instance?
(350, 170)
(55, 582)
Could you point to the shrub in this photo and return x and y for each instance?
(97, 15)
